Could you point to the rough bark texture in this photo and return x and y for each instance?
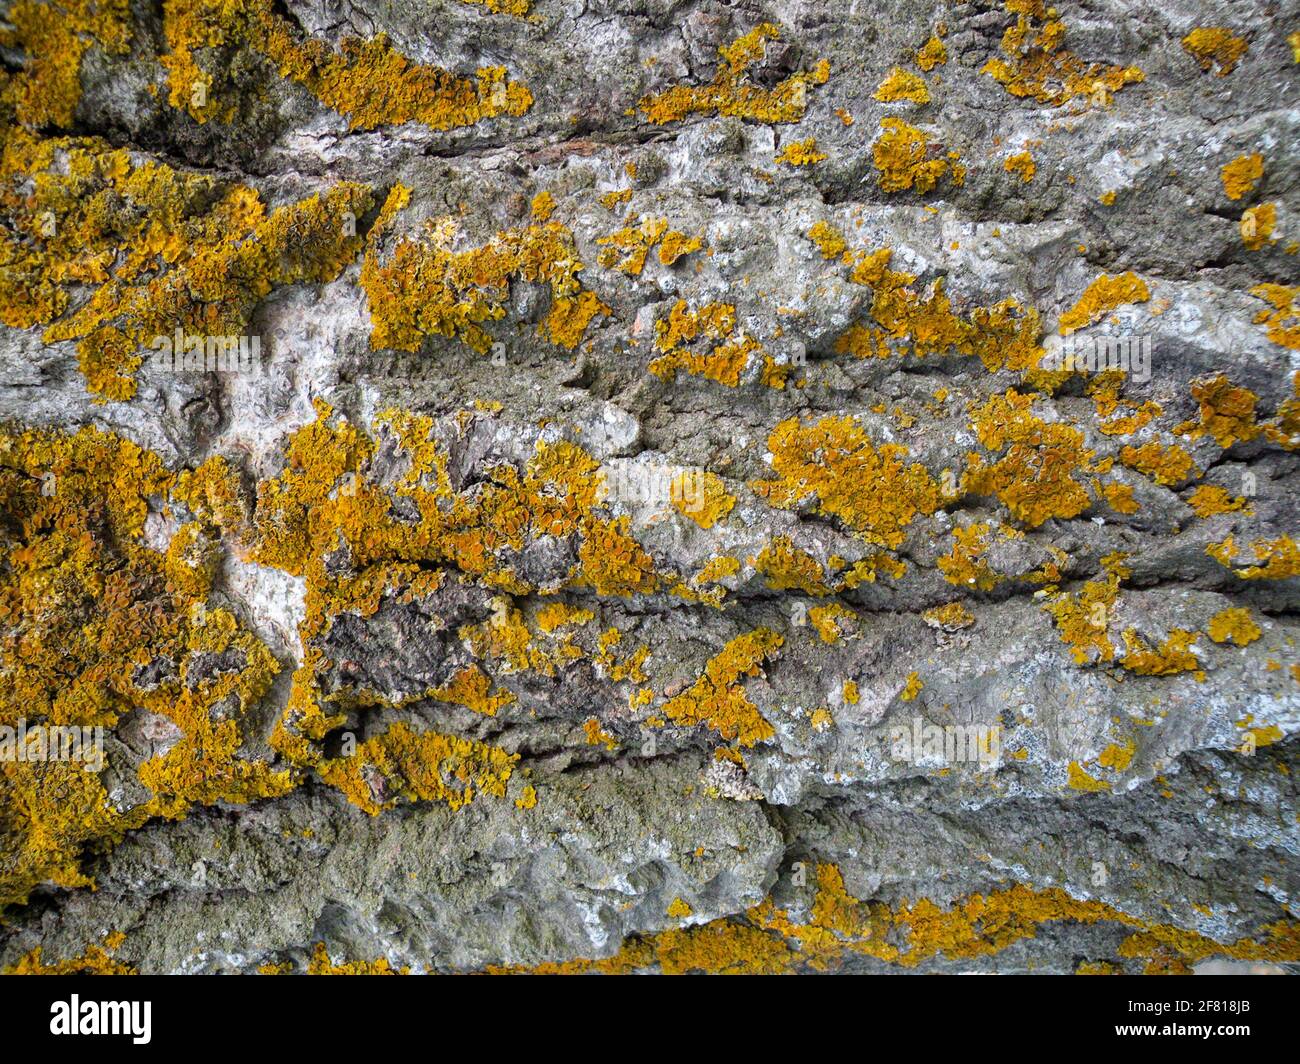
(404, 643)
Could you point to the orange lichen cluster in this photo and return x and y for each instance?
(1257, 225)
(768, 940)
(1037, 67)
(1226, 414)
(366, 81)
(1022, 165)
(933, 53)
(1167, 466)
(1210, 499)
(833, 461)
(54, 40)
(95, 627)
(717, 699)
(321, 964)
(1101, 297)
(724, 362)
(96, 960)
(427, 288)
(1234, 624)
(164, 250)
(1275, 559)
(964, 565)
(1215, 45)
(1283, 321)
(1240, 175)
(731, 94)
(1037, 464)
(1003, 336)
(627, 249)
(902, 84)
(801, 153)
(905, 160)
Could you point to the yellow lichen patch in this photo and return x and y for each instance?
(558, 614)
(1079, 780)
(866, 487)
(1082, 620)
(405, 765)
(821, 720)
(849, 692)
(801, 153)
(832, 622)
(932, 54)
(1215, 45)
(901, 84)
(724, 363)
(675, 245)
(504, 7)
(1240, 175)
(1234, 624)
(951, 617)
(1101, 297)
(787, 567)
(321, 964)
(543, 206)
(428, 289)
(1035, 471)
(1226, 415)
(1283, 321)
(1037, 66)
(1257, 225)
(1022, 165)
(964, 564)
(170, 256)
(1118, 756)
(1001, 336)
(903, 158)
(717, 699)
(611, 201)
(829, 240)
(94, 625)
(1119, 497)
(1276, 559)
(912, 688)
(627, 249)
(527, 798)
(679, 909)
(1173, 656)
(94, 961)
(1210, 499)
(838, 925)
(366, 81)
(702, 496)
(598, 736)
(54, 39)
(1104, 390)
(731, 93)
(1165, 465)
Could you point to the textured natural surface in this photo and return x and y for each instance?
(659, 429)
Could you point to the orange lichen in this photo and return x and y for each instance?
(1226, 415)
(832, 622)
(1234, 624)
(1257, 225)
(1165, 465)
(731, 94)
(1210, 499)
(1039, 68)
(717, 699)
(932, 54)
(1215, 45)
(801, 153)
(1037, 464)
(1101, 297)
(320, 964)
(1283, 321)
(1173, 656)
(366, 81)
(901, 84)
(1082, 620)
(904, 160)
(1276, 559)
(166, 252)
(1240, 175)
(964, 564)
(951, 617)
(830, 242)
(866, 487)
(1021, 164)
(427, 288)
(89, 614)
(706, 506)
